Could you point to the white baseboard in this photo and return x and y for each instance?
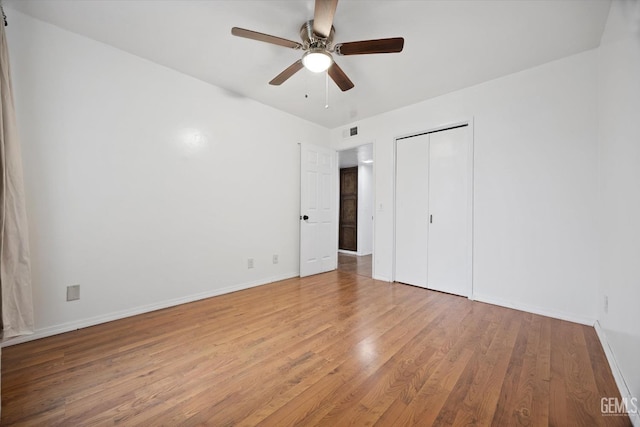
(92, 321)
(344, 251)
(535, 310)
(615, 370)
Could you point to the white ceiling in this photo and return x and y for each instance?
(449, 44)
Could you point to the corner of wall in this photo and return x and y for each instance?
(625, 393)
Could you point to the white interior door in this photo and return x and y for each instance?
(412, 210)
(448, 245)
(318, 230)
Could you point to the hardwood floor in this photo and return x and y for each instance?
(355, 264)
(333, 349)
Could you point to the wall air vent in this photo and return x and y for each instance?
(351, 132)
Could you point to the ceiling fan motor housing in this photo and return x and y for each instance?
(312, 41)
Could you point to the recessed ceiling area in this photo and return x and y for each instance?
(449, 45)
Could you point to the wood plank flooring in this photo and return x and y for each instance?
(334, 349)
(361, 265)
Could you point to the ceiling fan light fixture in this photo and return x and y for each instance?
(317, 60)
(317, 44)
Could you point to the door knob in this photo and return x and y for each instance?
(305, 217)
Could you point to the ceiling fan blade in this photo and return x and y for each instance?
(254, 35)
(290, 71)
(392, 45)
(323, 17)
(341, 79)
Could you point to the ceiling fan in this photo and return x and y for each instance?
(317, 44)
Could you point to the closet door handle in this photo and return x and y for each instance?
(430, 219)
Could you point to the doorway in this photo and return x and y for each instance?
(356, 203)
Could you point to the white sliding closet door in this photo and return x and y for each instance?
(448, 247)
(412, 210)
(433, 211)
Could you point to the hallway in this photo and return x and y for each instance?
(360, 265)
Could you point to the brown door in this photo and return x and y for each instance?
(348, 239)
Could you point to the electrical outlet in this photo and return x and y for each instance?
(73, 293)
(275, 259)
(250, 263)
(606, 304)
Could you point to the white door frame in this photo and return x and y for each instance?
(373, 224)
(465, 122)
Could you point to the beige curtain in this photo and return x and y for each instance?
(15, 262)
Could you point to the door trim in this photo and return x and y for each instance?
(471, 196)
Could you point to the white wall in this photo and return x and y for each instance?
(145, 186)
(619, 130)
(365, 209)
(535, 203)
